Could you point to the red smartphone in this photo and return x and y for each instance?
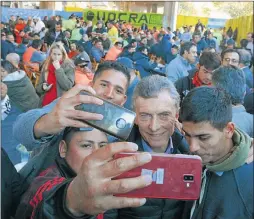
(175, 176)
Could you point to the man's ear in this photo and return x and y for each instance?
(62, 149)
(229, 130)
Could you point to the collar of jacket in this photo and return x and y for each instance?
(179, 143)
(64, 168)
(242, 143)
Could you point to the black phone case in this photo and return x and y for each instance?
(117, 121)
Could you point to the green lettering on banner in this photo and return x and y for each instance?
(120, 15)
(136, 19)
(103, 17)
(133, 17)
(111, 18)
(143, 18)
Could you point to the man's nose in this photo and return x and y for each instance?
(154, 124)
(193, 145)
(109, 93)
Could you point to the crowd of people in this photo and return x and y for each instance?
(192, 94)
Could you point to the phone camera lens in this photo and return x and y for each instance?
(188, 178)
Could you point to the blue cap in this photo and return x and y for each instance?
(38, 57)
(126, 62)
(230, 42)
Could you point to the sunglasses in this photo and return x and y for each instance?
(83, 66)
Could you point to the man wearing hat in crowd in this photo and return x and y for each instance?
(230, 44)
(83, 75)
(112, 32)
(133, 80)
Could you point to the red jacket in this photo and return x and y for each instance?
(17, 31)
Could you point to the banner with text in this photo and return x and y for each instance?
(136, 19)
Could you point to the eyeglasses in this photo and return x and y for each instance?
(228, 60)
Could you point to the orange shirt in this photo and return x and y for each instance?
(28, 54)
(113, 53)
(83, 78)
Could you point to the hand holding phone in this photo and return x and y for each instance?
(175, 176)
(46, 87)
(117, 121)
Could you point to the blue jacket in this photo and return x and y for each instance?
(212, 43)
(186, 37)
(96, 53)
(6, 48)
(249, 77)
(126, 54)
(86, 45)
(178, 68)
(242, 119)
(201, 45)
(20, 50)
(166, 47)
(142, 64)
(129, 93)
(157, 49)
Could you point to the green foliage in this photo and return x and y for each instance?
(186, 8)
(206, 11)
(235, 9)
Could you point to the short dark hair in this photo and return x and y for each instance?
(196, 33)
(68, 133)
(112, 65)
(117, 43)
(244, 43)
(36, 44)
(130, 47)
(58, 23)
(225, 51)
(142, 48)
(232, 80)
(175, 47)
(186, 47)
(210, 60)
(207, 104)
(97, 41)
(25, 41)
